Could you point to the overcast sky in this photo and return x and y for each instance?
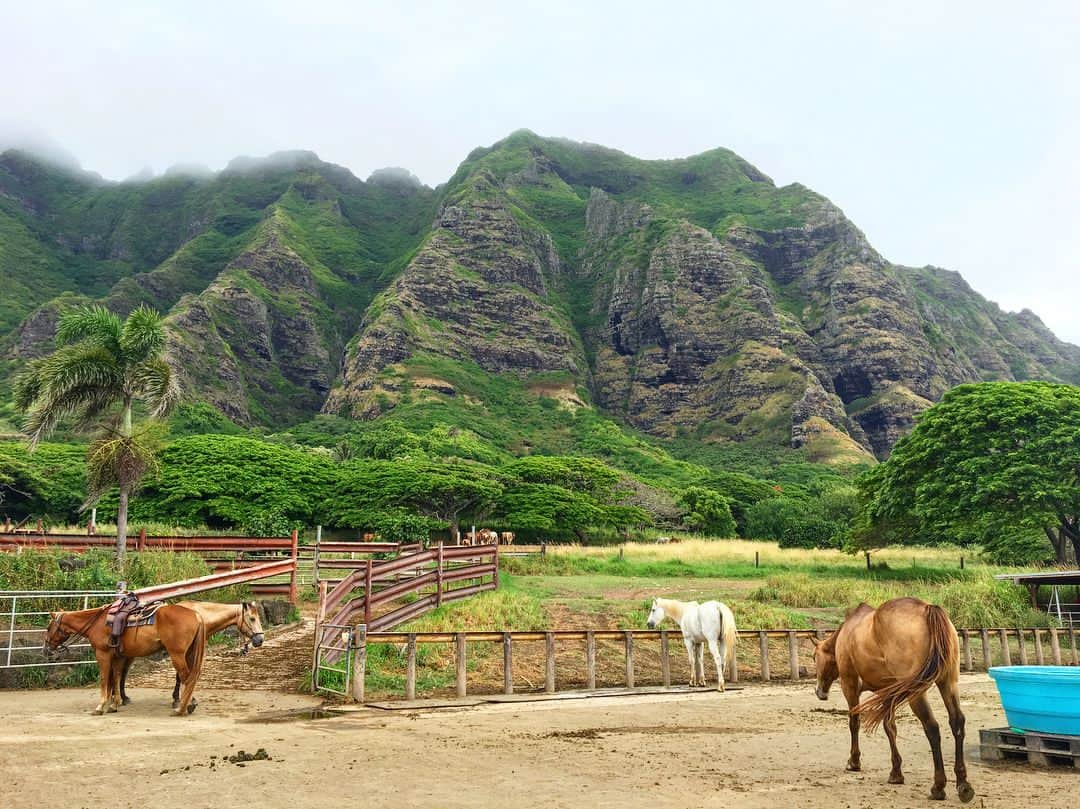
(949, 132)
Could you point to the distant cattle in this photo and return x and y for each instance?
(484, 536)
(506, 538)
(370, 537)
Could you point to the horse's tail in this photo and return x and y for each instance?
(196, 651)
(942, 656)
(729, 633)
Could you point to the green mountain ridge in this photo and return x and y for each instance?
(690, 299)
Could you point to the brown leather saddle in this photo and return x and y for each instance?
(127, 612)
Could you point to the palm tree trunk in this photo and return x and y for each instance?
(121, 525)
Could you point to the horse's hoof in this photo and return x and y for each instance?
(126, 701)
(854, 767)
(937, 793)
(965, 792)
(191, 708)
(176, 705)
(896, 779)
(96, 712)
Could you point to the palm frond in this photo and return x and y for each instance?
(84, 404)
(27, 385)
(79, 366)
(155, 384)
(94, 323)
(142, 336)
(120, 461)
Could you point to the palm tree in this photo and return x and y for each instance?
(101, 369)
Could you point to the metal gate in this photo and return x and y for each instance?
(335, 677)
(26, 613)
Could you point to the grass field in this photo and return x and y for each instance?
(610, 588)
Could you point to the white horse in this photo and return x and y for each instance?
(711, 623)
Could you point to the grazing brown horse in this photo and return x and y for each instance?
(898, 651)
(245, 617)
(179, 630)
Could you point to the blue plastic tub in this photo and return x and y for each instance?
(1044, 699)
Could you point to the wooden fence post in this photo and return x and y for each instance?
(141, 545)
(359, 641)
(590, 660)
(965, 641)
(1006, 655)
(410, 667)
(734, 678)
(295, 562)
(1055, 646)
(549, 661)
(1038, 646)
(496, 576)
(508, 664)
(984, 636)
(629, 635)
(1023, 646)
(665, 658)
(793, 654)
(459, 661)
(1072, 645)
(763, 642)
(315, 555)
(438, 574)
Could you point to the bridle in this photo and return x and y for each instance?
(241, 626)
(66, 642)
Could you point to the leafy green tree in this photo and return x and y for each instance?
(586, 475)
(102, 368)
(794, 523)
(990, 459)
(549, 509)
(707, 512)
(233, 482)
(49, 481)
(741, 491)
(445, 492)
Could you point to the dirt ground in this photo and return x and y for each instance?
(762, 746)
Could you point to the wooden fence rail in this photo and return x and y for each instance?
(772, 647)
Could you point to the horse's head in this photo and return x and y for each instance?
(249, 624)
(656, 614)
(825, 664)
(55, 634)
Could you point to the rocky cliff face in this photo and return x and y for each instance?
(475, 292)
(690, 298)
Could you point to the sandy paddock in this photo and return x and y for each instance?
(763, 746)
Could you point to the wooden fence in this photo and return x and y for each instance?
(775, 654)
(221, 553)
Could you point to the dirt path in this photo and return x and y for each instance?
(278, 665)
(764, 746)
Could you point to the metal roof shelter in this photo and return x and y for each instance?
(1068, 614)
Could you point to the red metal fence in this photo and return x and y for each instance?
(435, 577)
(223, 554)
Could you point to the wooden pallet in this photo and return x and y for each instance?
(1040, 749)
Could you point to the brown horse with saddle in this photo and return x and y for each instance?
(179, 630)
(898, 651)
(244, 617)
